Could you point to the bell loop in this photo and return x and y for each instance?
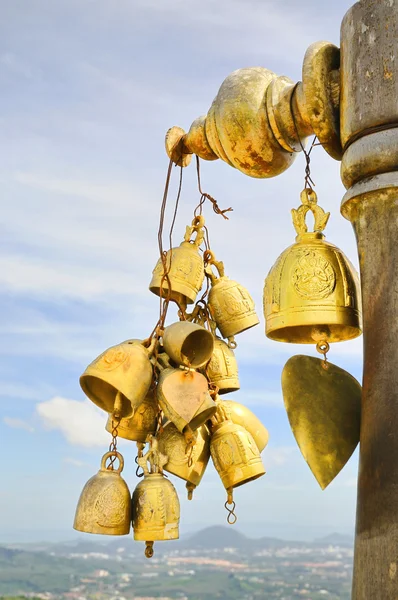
(309, 203)
(323, 347)
(154, 457)
(115, 455)
(149, 552)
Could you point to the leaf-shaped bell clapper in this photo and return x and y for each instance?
(230, 304)
(184, 266)
(140, 425)
(312, 292)
(105, 503)
(222, 369)
(188, 344)
(241, 415)
(187, 458)
(155, 504)
(183, 395)
(235, 454)
(125, 368)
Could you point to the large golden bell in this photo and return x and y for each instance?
(241, 415)
(312, 292)
(235, 453)
(105, 503)
(183, 396)
(188, 344)
(125, 368)
(140, 425)
(222, 369)
(188, 463)
(185, 268)
(230, 304)
(155, 504)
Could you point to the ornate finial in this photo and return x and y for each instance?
(309, 202)
(156, 459)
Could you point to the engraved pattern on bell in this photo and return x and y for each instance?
(110, 507)
(111, 359)
(313, 276)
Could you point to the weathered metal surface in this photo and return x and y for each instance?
(258, 121)
(369, 58)
(369, 115)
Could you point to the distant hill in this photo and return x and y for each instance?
(335, 539)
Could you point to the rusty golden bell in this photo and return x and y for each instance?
(186, 458)
(241, 415)
(183, 395)
(155, 505)
(188, 344)
(312, 292)
(222, 369)
(185, 267)
(140, 425)
(230, 304)
(234, 452)
(105, 503)
(125, 368)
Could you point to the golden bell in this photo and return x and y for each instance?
(185, 267)
(140, 425)
(241, 415)
(312, 292)
(188, 463)
(222, 370)
(230, 304)
(183, 396)
(105, 503)
(155, 504)
(235, 454)
(188, 344)
(125, 368)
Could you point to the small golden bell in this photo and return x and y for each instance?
(187, 461)
(186, 268)
(125, 368)
(155, 504)
(235, 454)
(312, 292)
(183, 396)
(241, 415)
(105, 503)
(222, 369)
(188, 344)
(140, 425)
(230, 304)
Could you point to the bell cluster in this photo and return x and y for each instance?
(167, 394)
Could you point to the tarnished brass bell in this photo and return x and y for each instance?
(183, 395)
(155, 504)
(186, 460)
(125, 368)
(324, 410)
(188, 344)
(241, 415)
(185, 267)
(105, 503)
(141, 424)
(230, 304)
(222, 369)
(312, 292)
(234, 452)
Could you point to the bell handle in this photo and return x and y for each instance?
(309, 202)
(108, 455)
(151, 345)
(196, 226)
(219, 265)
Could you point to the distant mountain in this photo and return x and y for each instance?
(217, 537)
(335, 539)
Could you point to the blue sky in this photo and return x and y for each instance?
(89, 88)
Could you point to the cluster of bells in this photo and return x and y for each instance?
(169, 391)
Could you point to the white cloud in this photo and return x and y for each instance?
(278, 456)
(18, 424)
(81, 423)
